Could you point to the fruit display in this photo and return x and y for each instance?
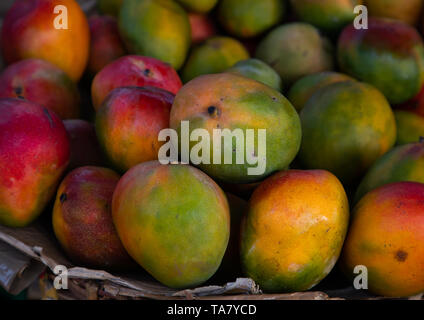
(202, 149)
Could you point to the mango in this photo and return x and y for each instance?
(128, 124)
(346, 127)
(303, 89)
(43, 83)
(295, 50)
(402, 163)
(229, 101)
(173, 220)
(406, 10)
(105, 43)
(389, 55)
(34, 153)
(328, 15)
(294, 230)
(32, 29)
(386, 235)
(250, 18)
(202, 27)
(258, 70)
(215, 55)
(133, 70)
(156, 28)
(82, 219)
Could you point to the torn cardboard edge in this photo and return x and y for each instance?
(37, 250)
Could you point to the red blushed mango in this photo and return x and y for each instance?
(134, 70)
(202, 27)
(85, 148)
(129, 122)
(294, 230)
(386, 235)
(389, 55)
(34, 152)
(29, 32)
(82, 219)
(105, 44)
(406, 10)
(43, 83)
(173, 220)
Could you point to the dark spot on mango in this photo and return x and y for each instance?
(401, 255)
(18, 91)
(147, 72)
(213, 112)
(63, 197)
(421, 139)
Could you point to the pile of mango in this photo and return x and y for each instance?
(84, 101)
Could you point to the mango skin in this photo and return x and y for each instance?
(346, 127)
(249, 18)
(28, 32)
(215, 55)
(406, 10)
(328, 15)
(173, 220)
(410, 127)
(239, 103)
(389, 55)
(82, 219)
(138, 25)
(294, 230)
(402, 163)
(281, 47)
(386, 235)
(43, 83)
(305, 87)
(200, 6)
(128, 124)
(258, 70)
(105, 43)
(29, 170)
(202, 27)
(133, 70)
(84, 146)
